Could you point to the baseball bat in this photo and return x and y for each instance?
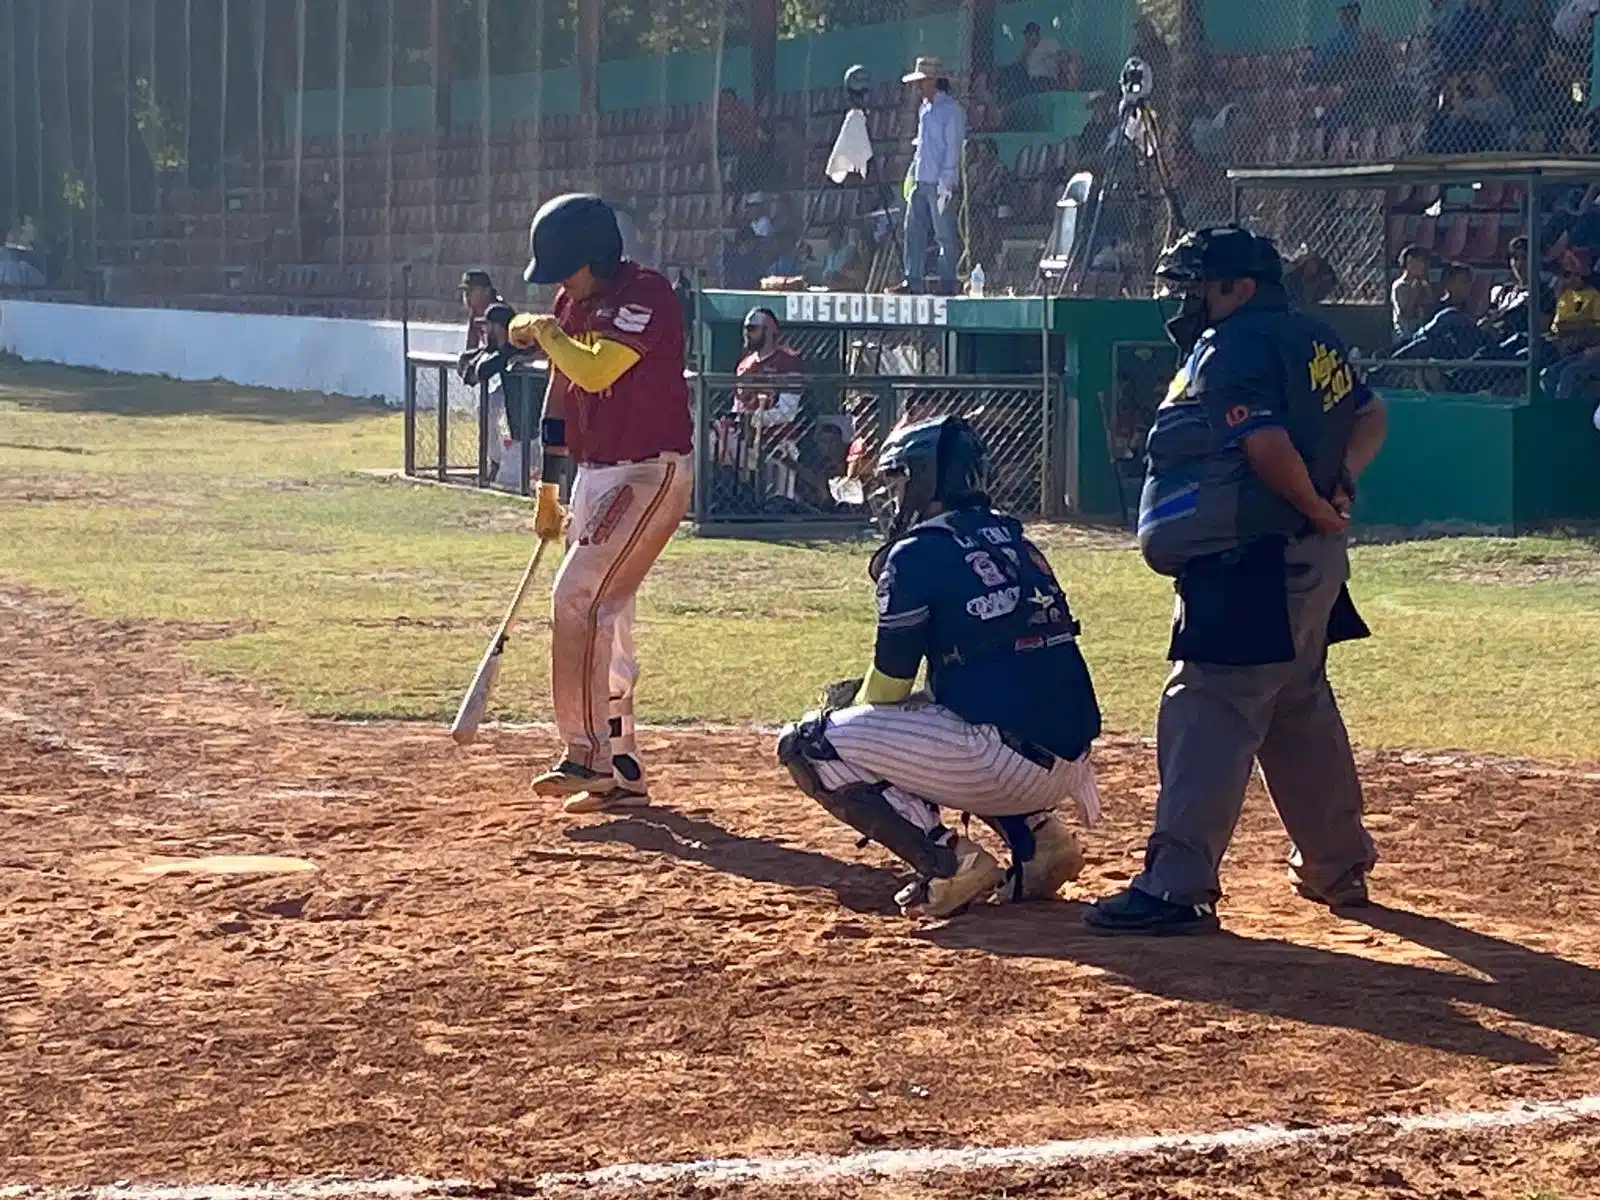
(476, 702)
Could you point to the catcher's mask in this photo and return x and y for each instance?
(937, 461)
(1222, 255)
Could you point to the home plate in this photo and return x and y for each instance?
(227, 864)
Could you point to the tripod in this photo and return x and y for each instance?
(1150, 174)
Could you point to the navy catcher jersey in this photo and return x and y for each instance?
(970, 595)
(1267, 365)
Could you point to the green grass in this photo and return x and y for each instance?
(238, 511)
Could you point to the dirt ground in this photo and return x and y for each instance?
(472, 985)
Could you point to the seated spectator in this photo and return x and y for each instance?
(822, 458)
(742, 261)
(1336, 58)
(1451, 130)
(23, 235)
(1451, 333)
(1506, 322)
(1485, 104)
(1411, 295)
(1574, 21)
(1214, 131)
(1035, 68)
(839, 270)
(1309, 278)
(1574, 338)
(984, 111)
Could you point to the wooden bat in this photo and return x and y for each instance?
(476, 702)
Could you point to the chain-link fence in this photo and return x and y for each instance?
(290, 155)
(468, 433)
(800, 447)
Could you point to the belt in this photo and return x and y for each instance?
(1034, 753)
(624, 462)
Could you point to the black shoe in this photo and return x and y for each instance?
(1131, 911)
(1349, 892)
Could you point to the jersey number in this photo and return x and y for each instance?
(986, 570)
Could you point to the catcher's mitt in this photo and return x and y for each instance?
(840, 694)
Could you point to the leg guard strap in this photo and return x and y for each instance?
(861, 806)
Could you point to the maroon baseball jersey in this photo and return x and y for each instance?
(646, 412)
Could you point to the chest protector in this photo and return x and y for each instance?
(1003, 598)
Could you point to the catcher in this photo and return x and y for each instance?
(1004, 729)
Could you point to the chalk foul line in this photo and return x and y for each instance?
(626, 1177)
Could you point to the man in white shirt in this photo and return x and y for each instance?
(935, 172)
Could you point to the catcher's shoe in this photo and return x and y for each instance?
(1057, 860)
(568, 778)
(977, 874)
(1134, 912)
(628, 789)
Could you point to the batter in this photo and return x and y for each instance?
(617, 407)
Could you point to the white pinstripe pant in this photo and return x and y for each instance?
(933, 759)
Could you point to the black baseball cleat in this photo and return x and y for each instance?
(1350, 891)
(1138, 913)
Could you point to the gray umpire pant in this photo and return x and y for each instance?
(1216, 720)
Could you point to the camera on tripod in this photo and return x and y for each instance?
(1136, 80)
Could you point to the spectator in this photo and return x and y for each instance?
(1574, 21)
(1411, 296)
(986, 112)
(487, 365)
(823, 457)
(1035, 68)
(23, 235)
(1488, 106)
(988, 202)
(476, 292)
(1452, 131)
(741, 261)
(1451, 333)
(935, 171)
(1309, 278)
(1575, 332)
(1212, 135)
(838, 270)
(768, 418)
(1336, 58)
(1507, 318)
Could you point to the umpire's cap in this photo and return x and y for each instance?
(572, 232)
(1218, 253)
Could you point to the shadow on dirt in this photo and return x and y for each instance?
(860, 887)
(1397, 1001)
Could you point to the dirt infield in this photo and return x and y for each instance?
(472, 985)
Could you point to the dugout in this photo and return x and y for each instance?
(1056, 386)
(1470, 440)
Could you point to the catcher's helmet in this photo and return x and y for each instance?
(936, 460)
(1215, 254)
(572, 232)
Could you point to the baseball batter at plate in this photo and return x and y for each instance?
(1004, 729)
(618, 408)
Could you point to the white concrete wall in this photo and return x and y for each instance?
(316, 354)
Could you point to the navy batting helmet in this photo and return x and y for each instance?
(1219, 253)
(572, 232)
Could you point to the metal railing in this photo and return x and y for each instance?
(775, 448)
(461, 433)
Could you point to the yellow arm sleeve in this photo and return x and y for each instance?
(593, 365)
(878, 688)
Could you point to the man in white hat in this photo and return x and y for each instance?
(935, 172)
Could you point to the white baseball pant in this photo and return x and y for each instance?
(931, 758)
(620, 519)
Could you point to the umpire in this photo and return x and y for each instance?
(1252, 462)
